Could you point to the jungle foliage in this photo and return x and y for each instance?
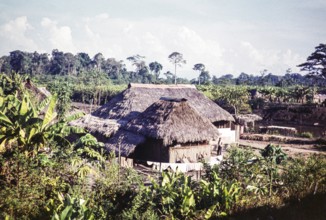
(60, 63)
(44, 175)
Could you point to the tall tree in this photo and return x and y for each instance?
(243, 79)
(204, 77)
(113, 68)
(200, 68)
(316, 62)
(70, 64)
(137, 61)
(142, 73)
(156, 67)
(99, 60)
(57, 63)
(20, 61)
(177, 59)
(40, 63)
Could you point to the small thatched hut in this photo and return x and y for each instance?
(170, 130)
(247, 122)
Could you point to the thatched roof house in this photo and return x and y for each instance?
(134, 100)
(138, 97)
(167, 131)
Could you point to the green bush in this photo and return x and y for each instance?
(306, 135)
(305, 176)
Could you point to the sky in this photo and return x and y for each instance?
(227, 36)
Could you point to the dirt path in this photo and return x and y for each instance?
(290, 149)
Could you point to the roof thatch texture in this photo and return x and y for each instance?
(127, 141)
(173, 121)
(247, 118)
(44, 91)
(134, 100)
(96, 125)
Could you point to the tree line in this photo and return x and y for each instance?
(61, 63)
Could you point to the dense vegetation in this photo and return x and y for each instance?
(44, 174)
(50, 170)
(95, 80)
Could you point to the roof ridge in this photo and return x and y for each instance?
(161, 86)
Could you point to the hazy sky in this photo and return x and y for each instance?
(228, 36)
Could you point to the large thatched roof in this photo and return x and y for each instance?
(173, 121)
(134, 100)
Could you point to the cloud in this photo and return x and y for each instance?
(218, 47)
(154, 39)
(276, 61)
(14, 35)
(59, 37)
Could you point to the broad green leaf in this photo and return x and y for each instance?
(74, 117)
(49, 115)
(55, 216)
(40, 107)
(24, 106)
(4, 119)
(2, 147)
(1, 101)
(66, 213)
(210, 212)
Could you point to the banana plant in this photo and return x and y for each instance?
(218, 196)
(273, 156)
(71, 208)
(89, 154)
(23, 125)
(174, 195)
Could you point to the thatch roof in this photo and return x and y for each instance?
(96, 125)
(127, 141)
(247, 118)
(138, 97)
(173, 121)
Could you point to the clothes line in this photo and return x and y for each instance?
(183, 167)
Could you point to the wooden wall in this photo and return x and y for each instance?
(192, 153)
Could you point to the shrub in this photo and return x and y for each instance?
(305, 176)
(306, 135)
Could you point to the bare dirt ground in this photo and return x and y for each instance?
(290, 149)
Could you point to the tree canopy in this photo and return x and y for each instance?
(177, 59)
(316, 62)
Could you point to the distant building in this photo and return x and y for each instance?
(319, 98)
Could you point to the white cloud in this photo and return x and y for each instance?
(276, 61)
(15, 33)
(59, 37)
(102, 16)
(219, 48)
(291, 60)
